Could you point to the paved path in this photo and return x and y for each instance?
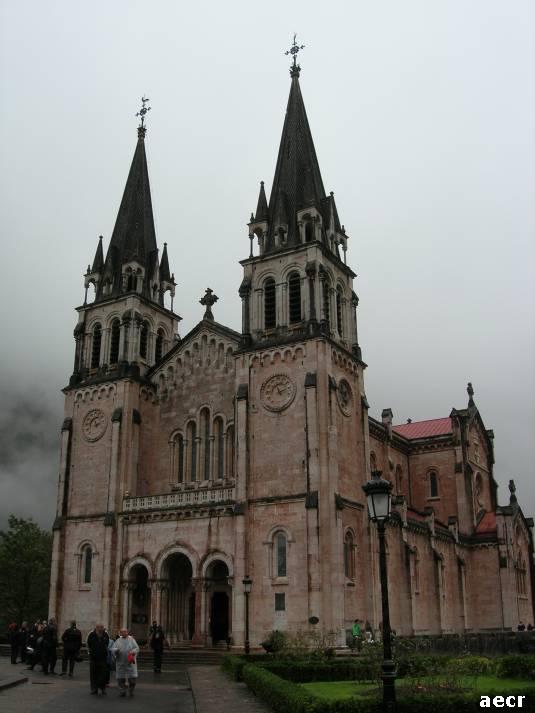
(168, 692)
(216, 693)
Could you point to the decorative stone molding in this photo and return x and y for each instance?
(94, 425)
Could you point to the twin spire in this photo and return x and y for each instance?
(297, 193)
(131, 262)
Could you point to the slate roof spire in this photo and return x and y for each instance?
(98, 260)
(134, 237)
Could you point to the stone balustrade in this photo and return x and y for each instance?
(185, 498)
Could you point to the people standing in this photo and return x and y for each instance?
(97, 646)
(125, 651)
(356, 631)
(23, 640)
(13, 639)
(72, 643)
(157, 642)
(50, 647)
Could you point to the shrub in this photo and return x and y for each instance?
(233, 665)
(522, 666)
(275, 642)
(308, 671)
(282, 696)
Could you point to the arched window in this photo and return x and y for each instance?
(219, 445)
(179, 445)
(309, 231)
(373, 462)
(230, 452)
(192, 445)
(159, 345)
(144, 340)
(87, 561)
(294, 297)
(205, 433)
(326, 296)
(349, 560)
(131, 281)
(270, 316)
(416, 570)
(433, 484)
(280, 554)
(339, 320)
(114, 341)
(95, 347)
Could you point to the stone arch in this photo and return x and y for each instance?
(211, 557)
(177, 548)
(137, 560)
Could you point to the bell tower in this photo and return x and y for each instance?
(300, 400)
(299, 228)
(128, 327)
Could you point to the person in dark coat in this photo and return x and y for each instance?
(23, 640)
(13, 637)
(49, 646)
(35, 639)
(157, 642)
(97, 646)
(72, 643)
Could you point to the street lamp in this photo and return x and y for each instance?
(247, 585)
(378, 493)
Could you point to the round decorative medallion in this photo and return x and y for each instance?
(277, 392)
(345, 397)
(94, 425)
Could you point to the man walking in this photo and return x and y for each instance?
(97, 646)
(72, 643)
(157, 642)
(125, 650)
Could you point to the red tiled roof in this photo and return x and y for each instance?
(487, 524)
(424, 429)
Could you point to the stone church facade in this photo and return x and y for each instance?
(188, 463)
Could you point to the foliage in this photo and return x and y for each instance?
(233, 665)
(307, 671)
(301, 644)
(25, 554)
(282, 696)
(275, 642)
(516, 666)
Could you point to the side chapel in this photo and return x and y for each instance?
(188, 463)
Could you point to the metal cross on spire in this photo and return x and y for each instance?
(294, 50)
(144, 109)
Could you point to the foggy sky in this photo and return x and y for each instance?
(423, 117)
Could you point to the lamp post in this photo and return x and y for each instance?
(378, 493)
(247, 584)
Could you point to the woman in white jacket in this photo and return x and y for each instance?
(125, 650)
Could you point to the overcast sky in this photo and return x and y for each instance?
(423, 116)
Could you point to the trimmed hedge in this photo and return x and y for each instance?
(284, 696)
(522, 666)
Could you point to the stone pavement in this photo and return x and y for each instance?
(168, 692)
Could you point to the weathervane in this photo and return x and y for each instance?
(294, 50)
(144, 109)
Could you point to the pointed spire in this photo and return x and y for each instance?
(98, 260)
(262, 212)
(134, 236)
(297, 182)
(165, 275)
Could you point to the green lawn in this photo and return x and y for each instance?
(336, 690)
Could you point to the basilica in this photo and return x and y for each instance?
(192, 463)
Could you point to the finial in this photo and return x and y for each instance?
(470, 392)
(141, 129)
(409, 420)
(295, 69)
(207, 301)
(512, 489)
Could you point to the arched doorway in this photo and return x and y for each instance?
(178, 609)
(140, 602)
(219, 609)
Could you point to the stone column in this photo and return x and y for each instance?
(127, 589)
(311, 274)
(197, 585)
(245, 292)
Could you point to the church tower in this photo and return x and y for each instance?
(124, 332)
(301, 406)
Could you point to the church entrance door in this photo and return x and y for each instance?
(177, 615)
(218, 584)
(219, 616)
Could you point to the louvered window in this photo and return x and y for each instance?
(95, 349)
(270, 319)
(114, 343)
(294, 288)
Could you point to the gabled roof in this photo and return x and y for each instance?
(424, 429)
(487, 524)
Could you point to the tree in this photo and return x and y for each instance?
(25, 556)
